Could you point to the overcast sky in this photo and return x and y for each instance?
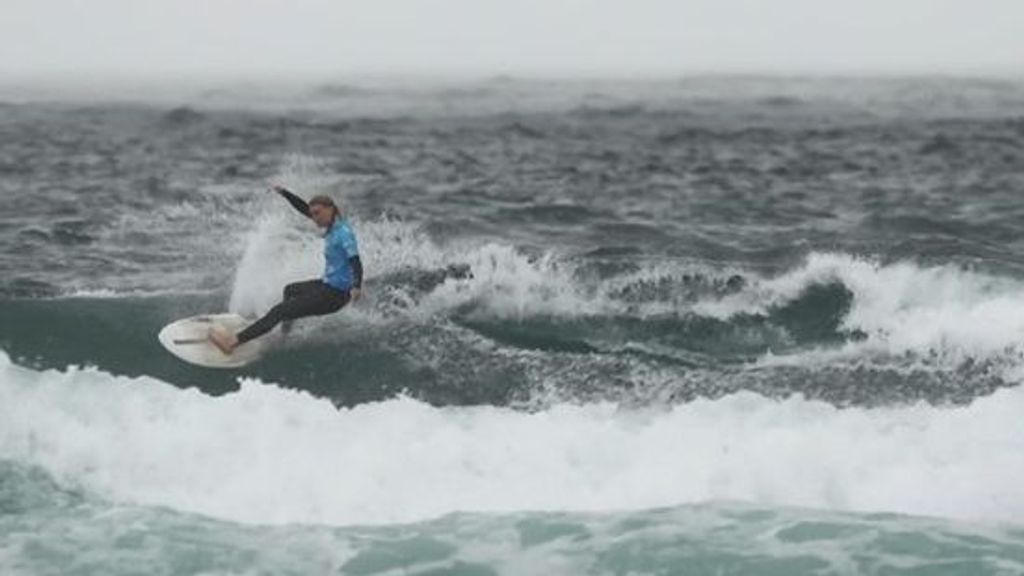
(234, 38)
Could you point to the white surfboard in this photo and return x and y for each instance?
(187, 339)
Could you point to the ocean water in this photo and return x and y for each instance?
(698, 326)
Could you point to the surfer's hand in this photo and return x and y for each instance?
(357, 293)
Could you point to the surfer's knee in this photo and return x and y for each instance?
(279, 312)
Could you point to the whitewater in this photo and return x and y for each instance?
(270, 456)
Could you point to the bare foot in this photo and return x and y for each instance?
(223, 339)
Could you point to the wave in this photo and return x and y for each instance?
(729, 537)
(490, 323)
(901, 307)
(269, 455)
(469, 322)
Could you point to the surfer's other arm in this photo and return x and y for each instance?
(296, 202)
(357, 274)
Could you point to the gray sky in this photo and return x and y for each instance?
(234, 38)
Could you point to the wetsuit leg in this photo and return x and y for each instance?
(296, 289)
(312, 301)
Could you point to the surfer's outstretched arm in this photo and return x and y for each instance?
(296, 202)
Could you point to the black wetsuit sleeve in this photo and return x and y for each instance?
(296, 202)
(357, 272)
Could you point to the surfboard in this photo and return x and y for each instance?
(187, 339)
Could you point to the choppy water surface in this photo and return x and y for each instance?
(712, 326)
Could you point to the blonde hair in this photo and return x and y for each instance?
(324, 200)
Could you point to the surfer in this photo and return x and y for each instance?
(342, 280)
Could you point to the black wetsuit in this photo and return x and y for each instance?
(308, 298)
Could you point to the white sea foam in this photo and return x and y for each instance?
(269, 455)
(114, 294)
(902, 307)
(505, 282)
(275, 254)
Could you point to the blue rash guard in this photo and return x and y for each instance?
(344, 269)
(339, 248)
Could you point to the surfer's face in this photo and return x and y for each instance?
(322, 215)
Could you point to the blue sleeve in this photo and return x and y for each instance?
(348, 242)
